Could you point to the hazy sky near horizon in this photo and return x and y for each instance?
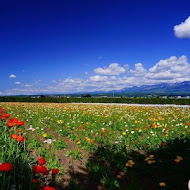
(67, 46)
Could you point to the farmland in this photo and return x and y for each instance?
(94, 146)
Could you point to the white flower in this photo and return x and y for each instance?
(132, 132)
(48, 141)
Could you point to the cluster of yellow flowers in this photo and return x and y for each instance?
(130, 163)
(60, 121)
(178, 159)
(78, 141)
(150, 159)
(88, 139)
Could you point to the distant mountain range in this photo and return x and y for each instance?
(182, 88)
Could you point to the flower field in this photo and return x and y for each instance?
(74, 146)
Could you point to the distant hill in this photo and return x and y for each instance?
(182, 88)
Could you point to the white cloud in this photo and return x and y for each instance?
(1, 93)
(18, 83)
(112, 69)
(86, 73)
(12, 76)
(170, 70)
(53, 81)
(139, 70)
(28, 85)
(98, 78)
(183, 30)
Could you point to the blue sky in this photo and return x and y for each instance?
(69, 46)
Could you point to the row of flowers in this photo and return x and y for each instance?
(39, 168)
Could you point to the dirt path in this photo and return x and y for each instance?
(142, 105)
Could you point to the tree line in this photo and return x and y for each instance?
(137, 100)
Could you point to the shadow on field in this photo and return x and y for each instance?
(106, 168)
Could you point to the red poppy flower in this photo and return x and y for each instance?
(5, 116)
(55, 171)
(14, 136)
(41, 169)
(19, 123)
(14, 120)
(6, 167)
(20, 139)
(41, 160)
(162, 144)
(10, 124)
(48, 188)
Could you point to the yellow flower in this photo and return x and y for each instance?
(177, 160)
(118, 176)
(78, 142)
(151, 156)
(130, 163)
(162, 184)
(149, 162)
(124, 133)
(44, 135)
(146, 159)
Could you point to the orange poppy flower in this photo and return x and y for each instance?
(20, 139)
(14, 136)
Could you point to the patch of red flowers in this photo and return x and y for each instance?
(6, 167)
(14, 121)
(40, 169)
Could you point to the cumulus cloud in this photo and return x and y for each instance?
(183, 30)
(112, 69)
(170, 70)
(12, 76)
(139, 70)
(98, 78)
(18, 83)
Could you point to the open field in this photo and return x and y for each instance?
(94, 146)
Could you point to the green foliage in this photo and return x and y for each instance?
(136, 100)
(59, 144)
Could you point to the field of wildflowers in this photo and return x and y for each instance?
(73, 146)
